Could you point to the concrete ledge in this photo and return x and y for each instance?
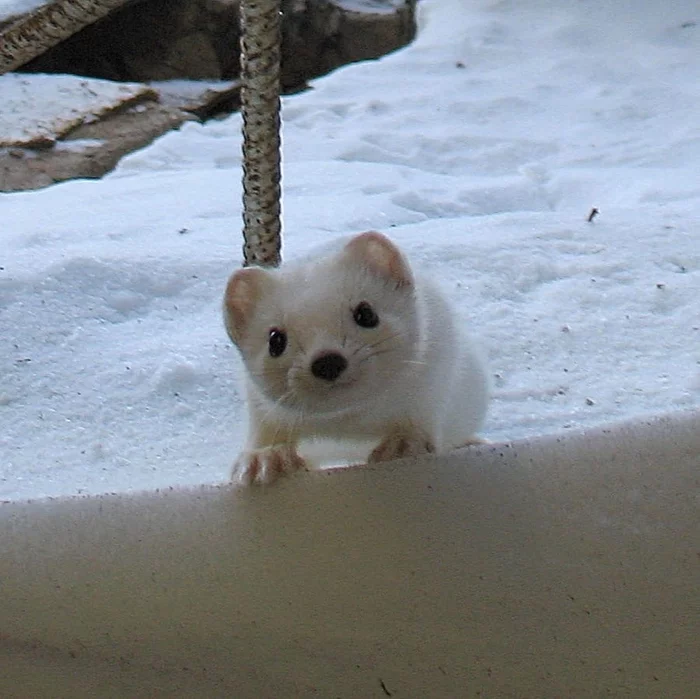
(561, 566)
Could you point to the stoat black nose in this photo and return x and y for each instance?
(329, 366)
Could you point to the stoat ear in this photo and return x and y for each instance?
(244, 290)
(379, 254)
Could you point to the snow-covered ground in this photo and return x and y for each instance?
(9, 9)
(481, 149)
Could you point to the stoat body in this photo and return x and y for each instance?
(352, 345)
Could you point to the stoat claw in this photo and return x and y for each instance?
(401, 445)
(266, 465)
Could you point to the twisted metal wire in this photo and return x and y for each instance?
(260, 98)
(48, 25)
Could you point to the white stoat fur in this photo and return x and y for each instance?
(369, 351)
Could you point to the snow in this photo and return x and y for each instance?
(481, 149)
(9, 9)
(36, 109)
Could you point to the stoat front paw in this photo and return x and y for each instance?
(264, 466)
(402, 445)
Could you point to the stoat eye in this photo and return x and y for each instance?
(365, 316)
(277, 342)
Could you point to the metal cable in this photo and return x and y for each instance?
(260, 97)
(48, 25)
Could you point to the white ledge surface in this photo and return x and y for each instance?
(544, 568)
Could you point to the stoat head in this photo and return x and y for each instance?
(328, 335)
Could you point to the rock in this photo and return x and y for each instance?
(179, 42)
(322, 35)
(39, 109)
(199, 39)
(203, 99)
(58, 127)
(90, 150)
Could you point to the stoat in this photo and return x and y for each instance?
(350, 345)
